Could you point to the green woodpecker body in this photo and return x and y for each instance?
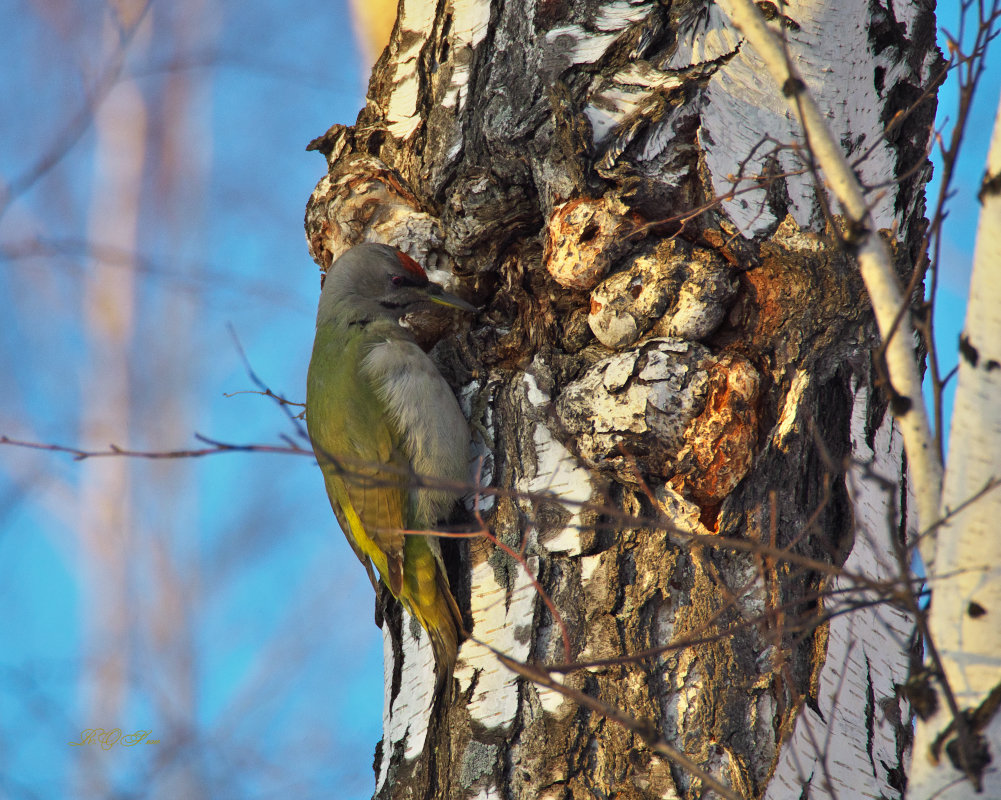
(383, 421)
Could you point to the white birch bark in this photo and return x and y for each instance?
(966, 582)
(866, 653)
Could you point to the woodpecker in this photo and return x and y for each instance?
(385, 426)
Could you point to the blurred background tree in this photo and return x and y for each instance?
(153, 175)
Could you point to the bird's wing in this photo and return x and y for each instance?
(342, 520)
(426, 423)
(365, 469)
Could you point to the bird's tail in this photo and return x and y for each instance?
(429, 600)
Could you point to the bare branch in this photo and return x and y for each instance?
(215, 447)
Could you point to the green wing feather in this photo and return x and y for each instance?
(353, 437)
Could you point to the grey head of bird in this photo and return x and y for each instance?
(376, 281)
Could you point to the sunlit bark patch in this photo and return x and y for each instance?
(722, 442)
(362, 200)
(584, 237)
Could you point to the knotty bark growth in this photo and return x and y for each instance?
(674, 333)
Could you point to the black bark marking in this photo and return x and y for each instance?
(969, 353)
(870, 715)
(901, 404)
(805, 794)
(991, 187)
(793, 87)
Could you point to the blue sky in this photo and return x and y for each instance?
(249, 645)
(257, 608)
(964, 208)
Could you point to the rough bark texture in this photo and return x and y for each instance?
(699, 367)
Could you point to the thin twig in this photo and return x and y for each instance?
(215, 448)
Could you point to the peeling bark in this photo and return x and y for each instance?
(643, 370)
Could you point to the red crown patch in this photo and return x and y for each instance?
(411, 266)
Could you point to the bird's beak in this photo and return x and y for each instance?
(438, 295)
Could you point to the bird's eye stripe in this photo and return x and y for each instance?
(403, 280)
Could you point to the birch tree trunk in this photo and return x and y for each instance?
(106, 515)
(967, 580)
(674, 342)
